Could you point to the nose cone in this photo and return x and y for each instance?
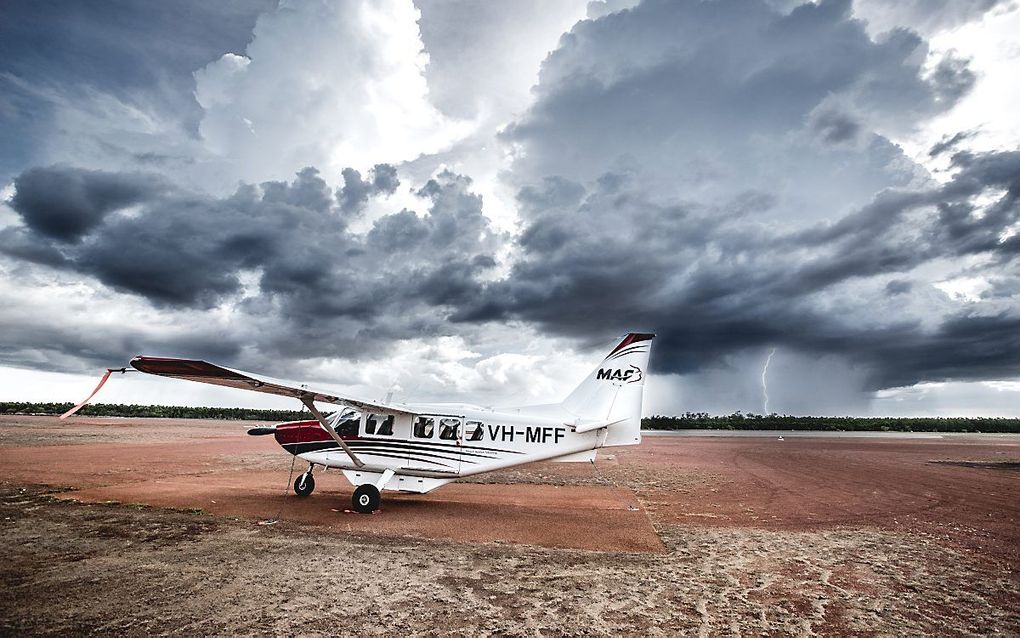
(262, 431)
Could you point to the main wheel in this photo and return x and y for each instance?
(304, 484)
(366, 498)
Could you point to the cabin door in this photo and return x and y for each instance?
(434, 443)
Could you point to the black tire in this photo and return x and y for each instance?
(366, 499)
(304, 484)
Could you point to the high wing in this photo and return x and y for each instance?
(205, 372)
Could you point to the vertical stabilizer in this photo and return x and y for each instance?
(614, 390)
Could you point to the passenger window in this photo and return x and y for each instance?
(424, 426)
(380, 424)
(473, 431)
(448, 429)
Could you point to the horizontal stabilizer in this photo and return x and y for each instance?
(596, 425)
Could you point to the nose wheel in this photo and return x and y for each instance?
(366, 498)
(304, 484)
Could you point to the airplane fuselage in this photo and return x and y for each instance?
(431, 448)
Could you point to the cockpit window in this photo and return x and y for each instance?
(348, 427)
(473, 431)
(386, 427)
(424, 427)
(448, 429)
(346, 423)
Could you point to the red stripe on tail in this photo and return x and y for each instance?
(632, 338)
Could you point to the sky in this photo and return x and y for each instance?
(814, 205)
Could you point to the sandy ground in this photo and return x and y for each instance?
(681, 535)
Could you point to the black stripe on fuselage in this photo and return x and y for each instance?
(401, 444)
(311, 446)
(329, 446)
(427, 448)
(405, 457)
(449, 446)
(368, 448)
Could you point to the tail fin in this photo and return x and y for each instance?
(614, 390)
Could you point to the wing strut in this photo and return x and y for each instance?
(310, 404)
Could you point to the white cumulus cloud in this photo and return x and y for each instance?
(323, 84)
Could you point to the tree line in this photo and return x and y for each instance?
(686, 421)
(751, 421)
(148, 411)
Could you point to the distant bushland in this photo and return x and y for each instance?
(157, 411)
(687, 421)
(751, 421)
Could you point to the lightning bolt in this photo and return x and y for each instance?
(764, 382)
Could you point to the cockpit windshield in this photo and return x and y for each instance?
(346, 423)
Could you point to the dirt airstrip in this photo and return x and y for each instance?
(152, 526)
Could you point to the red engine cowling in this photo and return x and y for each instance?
(301, 432)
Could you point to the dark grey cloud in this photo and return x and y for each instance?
(836, 127)
(64, 203)
(24, 244)
(952, 79)
(899, 287)
(949, 143)
(316, 279)
(52, 345)
(355, 192)
(141, 53)
(711, 171)
(712, 286)
(700, 97)
(964, 346)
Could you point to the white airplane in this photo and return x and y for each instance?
(417, 447)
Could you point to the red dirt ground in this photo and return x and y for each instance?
(709, 482)
(737, 535)
(216, 468)
(808, 483)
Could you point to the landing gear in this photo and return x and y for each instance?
(304, 484)
(365, 499)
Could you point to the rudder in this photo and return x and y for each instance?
(615, 389)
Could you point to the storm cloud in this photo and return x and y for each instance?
(313, 273)
(731, 174)
(708, 267)
(58, 56)
(711, 284)
(65, 203)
